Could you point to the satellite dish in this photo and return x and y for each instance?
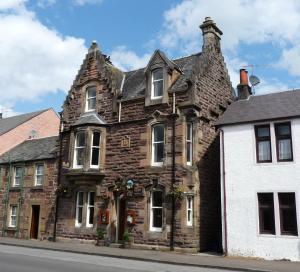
(254, 80)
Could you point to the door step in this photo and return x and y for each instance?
(115, 245)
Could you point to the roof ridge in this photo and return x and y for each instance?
(277, 92)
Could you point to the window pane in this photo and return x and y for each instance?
(91, 92)
(91, 198)
(157, 218)
(158, 152)
(40, 169)
(188, 151)
(263, 131)
(91, 103)
(80, 156)
(189, 217)
(285, 150)
(91, 216)
(79, 218)
(157, 74)
(189, 131)
(283, 130)
(158, 88)
(80, 198)
(266, 213)
(96, 139)
(39, 180)
(288, 216)
(95, 156)
(158, 133)
(264, 151)
(80, 140)
(157, 199)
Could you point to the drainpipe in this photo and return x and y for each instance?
(223, 185)
(58, 178)
(173, 116)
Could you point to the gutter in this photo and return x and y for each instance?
(223, 196)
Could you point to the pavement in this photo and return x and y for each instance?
(155, 256)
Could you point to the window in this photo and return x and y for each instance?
(90, 103)
(266, 213)
(157, 84)
(263, 143)
(18, 171)
(90, 209)
(13, 216)
(189, 211)
(156, 212)
(95, 149)
(79, 149)
(189, 143)
(283, 142)
(287, 212)
(158, 140)
(79, 209)
(39, 174)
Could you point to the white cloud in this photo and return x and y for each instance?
(85, 2)
(11, 4)
(290, 60)
(126, 59)
(35, 60)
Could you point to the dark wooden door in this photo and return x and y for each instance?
(122, 218)
(35, 216)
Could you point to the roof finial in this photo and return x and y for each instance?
(94, 47)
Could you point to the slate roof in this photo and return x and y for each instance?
(31, 150)
(262, 107)
(135, 81)
(7, 124)
(91, 118)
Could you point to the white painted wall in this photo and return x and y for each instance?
(244, 178)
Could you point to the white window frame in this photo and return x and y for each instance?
(189, 128)
(155, 229)
(153, 162)
(88, 209)
(156, 80)
(95, 147)
(39, 175)
(77, 224)
(15, 176)
(75, 165)
(87, 98)
(189, 208)
(13, 213)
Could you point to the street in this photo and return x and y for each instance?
(19, 259)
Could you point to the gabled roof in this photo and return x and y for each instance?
(31, 150)
(89, 118)
(7, 124)
(158, 53)
(135, 81)
(262, 108)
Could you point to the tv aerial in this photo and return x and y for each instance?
(254, 80)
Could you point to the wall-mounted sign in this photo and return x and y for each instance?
(125, 142)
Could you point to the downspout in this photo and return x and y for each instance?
(173, 116)
(223, 184)
(58, 178)
(120, 111)
(20, 201)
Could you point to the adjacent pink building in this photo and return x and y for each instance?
(14, 130)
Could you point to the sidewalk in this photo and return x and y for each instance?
(201, 260)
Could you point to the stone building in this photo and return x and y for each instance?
(27, 193)
(16, 129)
(139, 150)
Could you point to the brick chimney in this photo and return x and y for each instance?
(211, 35)
(243, 89)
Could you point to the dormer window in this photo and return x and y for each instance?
(157, 84)
(90, 103)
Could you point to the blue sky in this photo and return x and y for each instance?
(43, 42)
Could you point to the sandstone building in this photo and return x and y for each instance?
(139, 151)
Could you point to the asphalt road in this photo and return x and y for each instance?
(19, 259)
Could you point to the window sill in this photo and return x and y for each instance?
(9, 228)
(278, 236)
(37, 188)
(15, 189)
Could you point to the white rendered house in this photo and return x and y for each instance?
(260, 175)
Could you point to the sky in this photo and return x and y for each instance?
(43, 42)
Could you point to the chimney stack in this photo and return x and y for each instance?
(211, 35)
(244, 90)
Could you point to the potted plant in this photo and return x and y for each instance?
(127, 239)
(100, 237)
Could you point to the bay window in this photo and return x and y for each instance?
(79, 151)
(95, 149)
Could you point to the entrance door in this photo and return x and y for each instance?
(35, 216)
(121, 217)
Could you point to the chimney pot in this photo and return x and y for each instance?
(243, 77)
(243, 89)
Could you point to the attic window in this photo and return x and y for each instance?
(90, 103)
(157, 85)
